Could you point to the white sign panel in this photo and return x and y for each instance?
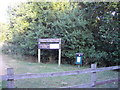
(54, 46)
(78, 59)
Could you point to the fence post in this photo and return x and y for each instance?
(93, 75)
(10, 80)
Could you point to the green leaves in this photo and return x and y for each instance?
(88, 28)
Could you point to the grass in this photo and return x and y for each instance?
(54, 82)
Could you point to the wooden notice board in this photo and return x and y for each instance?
(49, 43)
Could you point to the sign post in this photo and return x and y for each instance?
(49, 44)
(59, 62)
(38, 55)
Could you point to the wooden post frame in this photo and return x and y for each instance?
(49, 43)
(93, 75)
(10, 80)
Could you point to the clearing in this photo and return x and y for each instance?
(21, 66)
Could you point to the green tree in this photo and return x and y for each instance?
(104, 24)
(4, 32)
(84, 27)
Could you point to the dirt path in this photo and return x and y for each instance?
(3, 65)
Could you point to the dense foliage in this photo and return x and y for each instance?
(90, 28)
(4, 32)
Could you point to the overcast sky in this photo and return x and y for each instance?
(3, 8)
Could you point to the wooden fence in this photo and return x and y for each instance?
(11, 77)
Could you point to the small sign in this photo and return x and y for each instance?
(50, 40)
(54, 46)
(78, 59)
(43, 46)
(49, 43)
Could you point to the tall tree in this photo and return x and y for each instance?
(104, 24)
(83, 27)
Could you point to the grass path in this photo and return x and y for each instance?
(3, 65)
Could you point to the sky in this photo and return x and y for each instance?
(4, 5)
(3, 8)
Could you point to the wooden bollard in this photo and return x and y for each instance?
(93, 75)
(10, 80)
